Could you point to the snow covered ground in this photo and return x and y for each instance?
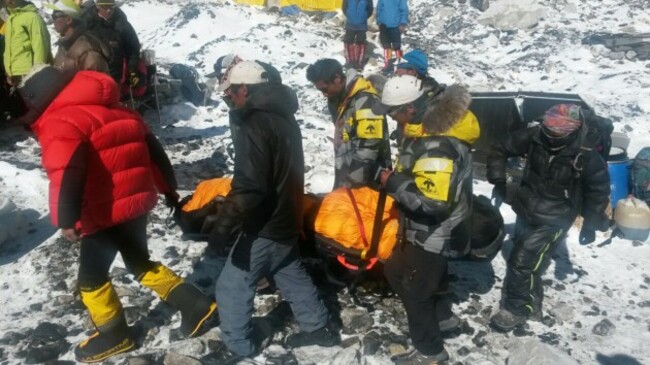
(597, 303)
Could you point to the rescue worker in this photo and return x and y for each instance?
(432, 185)
(105, 168)
(265, 205)
(27, 40)
(361, 145)
(78, 49)
(564, 176)
(110, 24)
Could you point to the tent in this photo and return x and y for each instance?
(304, 5)
(501, 113)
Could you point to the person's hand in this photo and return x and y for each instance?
(134, 79)
(587, 235)
(171, 199)
(384, 175)
(71, 234)
(499, 193)
(403, 28)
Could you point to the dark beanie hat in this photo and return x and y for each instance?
(39, 88)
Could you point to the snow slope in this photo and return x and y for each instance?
(585, 285)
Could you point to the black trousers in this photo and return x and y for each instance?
(530, 257)
(99, 249)
(354, 37)
(390, 37)
(420, 279)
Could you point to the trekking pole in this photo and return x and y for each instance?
(131, 95)
(155, 94)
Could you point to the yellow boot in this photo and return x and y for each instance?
(112, 334)
(195, 307)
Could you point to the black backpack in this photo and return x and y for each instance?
(600, 131)
(191, 89)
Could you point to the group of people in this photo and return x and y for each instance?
(106, 168)
(95, 35)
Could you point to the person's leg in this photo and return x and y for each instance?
(195, 307)
(297, 287)
(348, 46)
(384, 39)
(420, 279)
(396, 42)
(361, 49)
(235, 292)
(112, 337)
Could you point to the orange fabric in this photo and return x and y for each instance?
(336, 220)
(206, 191)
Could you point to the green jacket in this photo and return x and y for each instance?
(27, 40)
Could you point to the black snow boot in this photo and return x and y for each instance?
(322, 337)
(195, 307)
(105, 343)
(506, 321)
(415, 357)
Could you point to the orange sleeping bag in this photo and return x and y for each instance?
(206, 191)
(338, 220)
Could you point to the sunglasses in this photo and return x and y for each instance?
(395, 110)
(57, 14)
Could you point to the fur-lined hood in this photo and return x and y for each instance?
(445, 109)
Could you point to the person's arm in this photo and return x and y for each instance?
(403, 13)
(370, 145)
(131, 46)
(344, 6)
(93, 61)
(430, 189)
(65, 159)
(369, 8)
(39, 37)
(596, 191)
(163, 173)
(380, 10)
(253, 164)
(517, 144)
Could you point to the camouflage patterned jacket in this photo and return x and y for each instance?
(360, 137)
(432, 182)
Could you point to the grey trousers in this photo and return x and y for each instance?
(236, 286)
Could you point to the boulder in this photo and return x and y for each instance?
(508, 15)
(481, 5)
(533, 352)
(622, 45)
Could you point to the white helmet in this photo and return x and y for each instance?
(401, 89)
(245, 72)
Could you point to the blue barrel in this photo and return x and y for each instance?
(618, 165)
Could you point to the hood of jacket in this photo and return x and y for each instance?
(447, 114)
(85, 88)
(274, 98)
(28, 7)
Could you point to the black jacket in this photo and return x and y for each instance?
(557, 184)
(120, 37)
(267, 186)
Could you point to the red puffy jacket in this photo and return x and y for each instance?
(103, 163)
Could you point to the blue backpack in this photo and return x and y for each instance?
(640, 175)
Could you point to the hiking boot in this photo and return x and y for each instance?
(322, 337)
(415, 357)
(195, 308)
(105, 343)
(505, 320)
(449, 324)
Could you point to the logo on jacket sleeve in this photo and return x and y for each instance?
(432, 177)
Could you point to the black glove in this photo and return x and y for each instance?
(587, 235)
(499, 193)
(171, 199)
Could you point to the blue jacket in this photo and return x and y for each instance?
(357, 13)
(392, 13)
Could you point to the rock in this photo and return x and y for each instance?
(533, 352)
(371, 343)
(562, 312)
(349, 356)
(12, 338)
(356, 320)
(481, 5)
(604, 328)
(48, 332)
(173, 358)
(45, 353)
(145, 359)
(510, 15)
(463, 351)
